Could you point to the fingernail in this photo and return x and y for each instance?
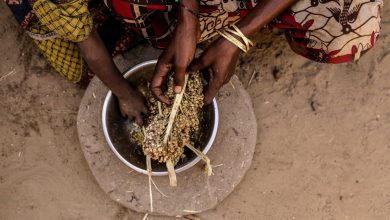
(177, 89)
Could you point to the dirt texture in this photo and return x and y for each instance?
(322, 152)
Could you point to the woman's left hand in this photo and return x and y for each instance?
(219, 59)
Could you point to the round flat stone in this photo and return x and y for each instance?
(231, 156)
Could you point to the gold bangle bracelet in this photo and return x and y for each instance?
(232, 40)
(244, 38)
(232, 33)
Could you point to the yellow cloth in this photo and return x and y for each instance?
(71, 21)
(63, 56)
(68, 23)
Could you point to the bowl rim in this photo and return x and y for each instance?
(127, 163)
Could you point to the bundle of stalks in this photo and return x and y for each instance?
(171, 128)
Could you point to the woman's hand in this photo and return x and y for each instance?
(131, 101)
(219, 59)
(132, 105)
(179, 53)
(221, 56)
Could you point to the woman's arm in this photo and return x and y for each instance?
(131, 102)
(180, 51)
(221, 56)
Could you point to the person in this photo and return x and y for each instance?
(79, 37)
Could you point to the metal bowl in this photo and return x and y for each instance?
(117, 129)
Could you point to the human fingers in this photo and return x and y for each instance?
(138, 119)
(144, 110)
(122, 113)
(160, 73)
(213, 87)
(180, 72)
(198, 64)
(141, 106)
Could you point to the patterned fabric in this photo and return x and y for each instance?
(59, 27)
(56, 27)
(64, 57)
(155, 20)
(332, 31)
(70, 21)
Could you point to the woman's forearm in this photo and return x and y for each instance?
(100, 62)
(262, 14)
(186, 10)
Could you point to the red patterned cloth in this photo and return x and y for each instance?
(329, 31)
(332, 31)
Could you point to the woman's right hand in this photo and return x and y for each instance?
(179, 53)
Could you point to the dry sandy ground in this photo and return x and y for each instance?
(323, 149)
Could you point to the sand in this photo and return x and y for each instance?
(323, 149)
